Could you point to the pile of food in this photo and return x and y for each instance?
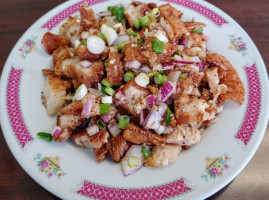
(136, 84)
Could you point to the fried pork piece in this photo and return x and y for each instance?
(115, 70)
(68, 123)
(52, 42)
(87, 14)
(117, 146)
(184, 134)
(132, 97)
(74, 108)
(194, 25)
(134, 53)
(95, 100)
(68, 65)
(228, 76)
(169, 49)
(172, 24)
(84, 53)
(190, 109)
(133, 12)
(138, 135)
(163, 155)
(54, 91)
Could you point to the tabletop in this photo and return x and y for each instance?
(16, 16)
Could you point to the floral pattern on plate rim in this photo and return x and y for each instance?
(28, 46)
(49, 166)
(96, 191)
(238, 45)
(13, 107)
(206, 12)
(251, 117)
(54, 21)
(216, 166)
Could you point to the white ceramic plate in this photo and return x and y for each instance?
(228, 145)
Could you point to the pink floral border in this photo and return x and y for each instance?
(13, 107)
(96, 191)
(211, 15)
(254, 104)
(67, 12)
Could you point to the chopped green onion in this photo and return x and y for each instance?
(106, 63)
(137, 23)
(110, 8)
(124, 120)
(151, 74)
(120, 14)
(146, 152)
(104, 108)
(101, 35)
(183, 75)
(96, 25)
(101, 124)
(121, 45)
(154, 11)
(115, 10)
(84, 42)
(140, 41)
(162, 72)
(200, 30)
(178, 52)
(109, 91)
(128, 76)
(131, 32)
(168, 116)
(45, 136)
(144, 21)
(105, 83)
(160, 79)
(157, 46)
(59, 113)
(133, 161)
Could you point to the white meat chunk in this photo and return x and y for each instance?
(213, 78)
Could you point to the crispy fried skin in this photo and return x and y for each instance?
(52, 42)
(72, 108)
(115, 70)
(117, 147)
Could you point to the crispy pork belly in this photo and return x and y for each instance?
(101, 153)
(169, 49)
(163, 155)
(53, 93)
(83, 52)
(134, 53)
(115, 70)
(71, 68)
(95, 98)
(68, 123)
(184, 135)
(228, 76)
(74, 108)
(138, 135)
(59, 55)
(172, 24)
(190, 109)
(87, 14)
(117, 146)
(212, 78)
(52, 42)
(194, 25)
(133, 97)
(134, 12)
(47, 72)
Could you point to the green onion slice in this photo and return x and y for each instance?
(160, 79)
(101, 35)
(137, 23)
(84, 42)
(104, 108)
(106, 63)
(168, 116)
(133, 161)
(128, 76)
(154, 11)
(105, 83)
(146, 152)
(45, 136)
(124, 120)
(144, 21)
(183, 75)
(157, 46)
(131, 32)
(121, 45)
(109, 91)
(200, 30)
(178, 52)
(140, 41)
(101, 124)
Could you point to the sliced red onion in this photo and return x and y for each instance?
(143, 116)
(92, 130)
(151, 99)
(113, 128)
(166, 91)
(194, 67)
(160, 130)
(124, 38)
(56, 131)
(144, 10)
(162, 109)
(153, 120)
(145, 69)
(168, 65)
(87, 108)
(120, 96)
(173, 78)
(133, 64)
(103, 14)
(106, 117)
(184, 42)
(85, 63)
(135, 152)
